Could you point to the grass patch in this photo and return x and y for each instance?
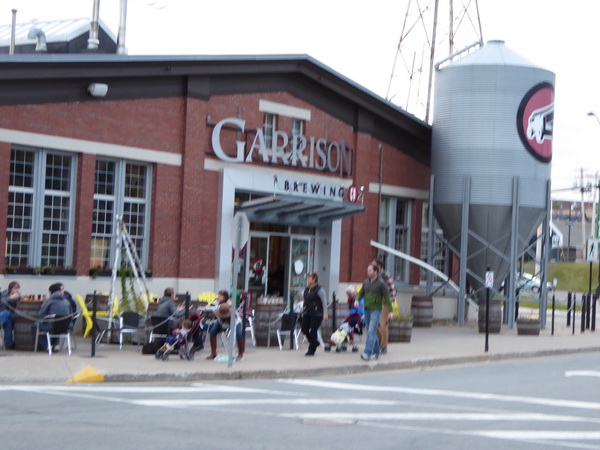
(557, 306)
(571, 276)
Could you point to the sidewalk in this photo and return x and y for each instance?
(429, 347)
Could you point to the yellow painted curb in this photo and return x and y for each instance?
(87, 375)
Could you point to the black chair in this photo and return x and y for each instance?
(60, 329)
(129, 323)
(160, 328)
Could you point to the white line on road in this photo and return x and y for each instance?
(536, 435)
(445, 393)
(102, 388)
(462, 417)
(262, 401)
(581, 373)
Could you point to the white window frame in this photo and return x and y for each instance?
(119, 202)
(38, 218)
(269, 128)
(388, 230)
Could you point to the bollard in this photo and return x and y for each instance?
(594, 313)
(588, 311)
(574, 309)
(94, 325)
(553, 307)
(188, 299)
(582, 313)
(333, 308)
(244, 297)
(569, 309)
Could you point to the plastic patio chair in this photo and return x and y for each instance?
(60, 329)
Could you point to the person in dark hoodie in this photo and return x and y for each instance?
(55, 304)
(167, 308)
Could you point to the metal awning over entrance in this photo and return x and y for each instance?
(290, 210)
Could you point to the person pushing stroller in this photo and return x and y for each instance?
(344, 335)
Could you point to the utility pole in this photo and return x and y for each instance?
(583, 235)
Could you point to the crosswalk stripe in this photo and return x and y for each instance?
(539, 435)
(262, 401)
(453, 416)
(199, 388)
(444, 393)
(582, 373)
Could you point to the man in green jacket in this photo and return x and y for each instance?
(376, 294)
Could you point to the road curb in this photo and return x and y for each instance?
(355, 369)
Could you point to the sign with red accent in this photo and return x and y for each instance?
(535, 121)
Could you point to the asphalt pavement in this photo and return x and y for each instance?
(442, 344)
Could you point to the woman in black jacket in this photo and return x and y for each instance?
(314, 311)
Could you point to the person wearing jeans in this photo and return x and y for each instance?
(376, 294)
(8, 303)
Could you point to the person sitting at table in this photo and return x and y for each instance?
(221, 309)
(8, 303)
(56, 304)
(167, 308)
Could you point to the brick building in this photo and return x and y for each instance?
(178, 145)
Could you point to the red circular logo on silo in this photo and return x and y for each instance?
(535, 121)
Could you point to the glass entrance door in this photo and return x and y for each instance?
(300, 264)
(276, 265)
(256, 263)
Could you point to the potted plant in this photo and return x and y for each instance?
(18, 270)
(58, 270)
(528, 326)
(400, 327)
(100, 271)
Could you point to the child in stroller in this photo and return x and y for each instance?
(182, 339)
(352, 324)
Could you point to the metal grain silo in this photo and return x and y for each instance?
(491, 152)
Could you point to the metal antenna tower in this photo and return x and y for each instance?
(421, 37)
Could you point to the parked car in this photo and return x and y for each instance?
(530, 283)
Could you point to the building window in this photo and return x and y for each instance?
(394, 231)
(40, 208)
(440, 250)
(270, 126)
(297, 127)
(120, 189)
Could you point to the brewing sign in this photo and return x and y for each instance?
(535, 121)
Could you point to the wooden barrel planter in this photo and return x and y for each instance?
(422, 311)
(265, 314)
(23, 332)
(495, 318)
(399, 331)
(528, 327)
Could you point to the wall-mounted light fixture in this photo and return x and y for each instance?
(98, 89)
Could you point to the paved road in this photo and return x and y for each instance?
(531, 404)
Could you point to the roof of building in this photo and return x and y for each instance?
(46, 78)
(63, 30)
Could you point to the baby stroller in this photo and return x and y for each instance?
(185, 344)
(344, 335)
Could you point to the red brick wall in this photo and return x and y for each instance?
(184, 210)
